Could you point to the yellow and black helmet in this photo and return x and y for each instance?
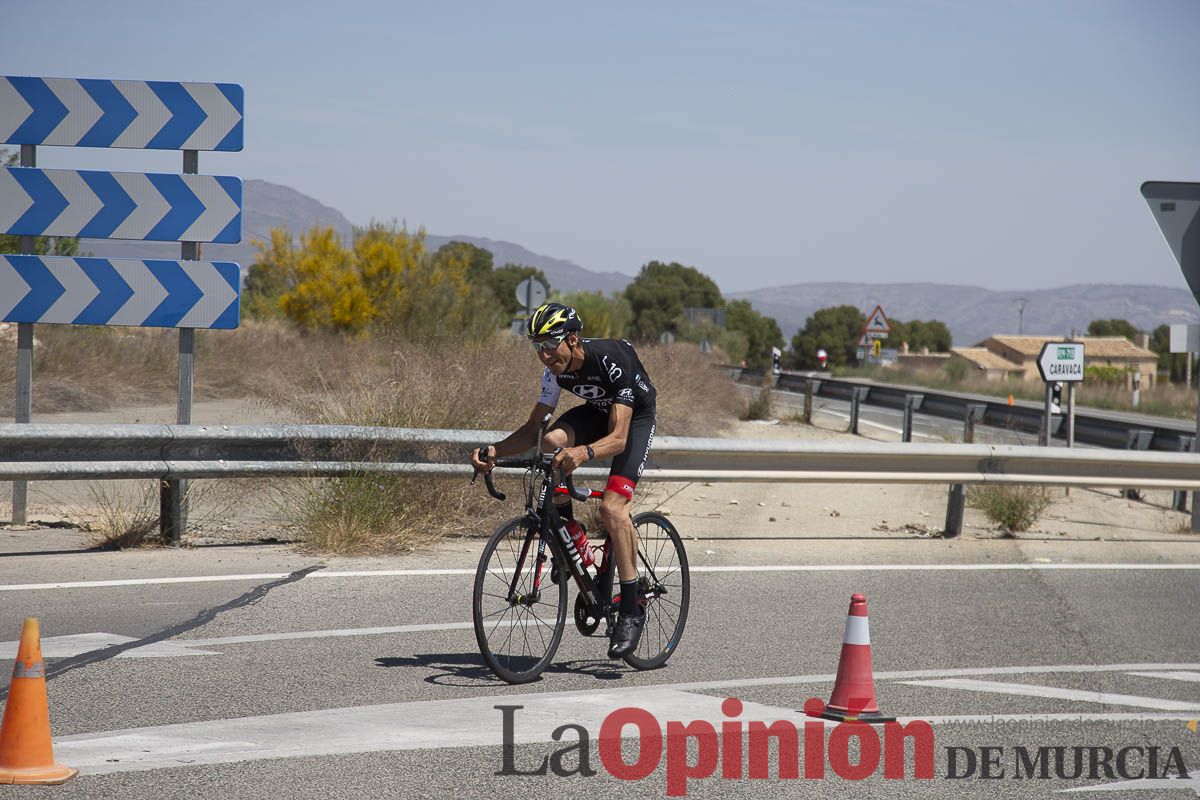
(553, 319)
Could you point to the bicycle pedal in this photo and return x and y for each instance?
(554, 573)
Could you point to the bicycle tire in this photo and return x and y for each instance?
(666, 614)
(513, 660)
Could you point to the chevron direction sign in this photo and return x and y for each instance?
(153, 293)
(120, 205)
(154, 115)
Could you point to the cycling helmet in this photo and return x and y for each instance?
(553, 319)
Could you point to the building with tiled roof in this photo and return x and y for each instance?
(991, 365)
(1021, 353)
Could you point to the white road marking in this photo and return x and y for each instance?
(1174, 676)
(422, 725)
(1143, 784)
(80, 643)
(392, 573)
(1054, 692)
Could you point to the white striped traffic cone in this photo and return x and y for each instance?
(853, 698)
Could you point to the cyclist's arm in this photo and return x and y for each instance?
(613, 444)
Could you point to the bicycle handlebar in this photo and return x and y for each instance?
(578, 494)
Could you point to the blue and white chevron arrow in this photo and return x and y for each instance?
(153, 293)
(155, 115)
(120, 205)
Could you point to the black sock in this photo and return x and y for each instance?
(565, 510)
(629, 598)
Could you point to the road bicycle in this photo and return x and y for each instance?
(519, 603)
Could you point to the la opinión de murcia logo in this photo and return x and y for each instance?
(742, 749)
(739, 740)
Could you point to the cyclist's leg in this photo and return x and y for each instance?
(618, 495)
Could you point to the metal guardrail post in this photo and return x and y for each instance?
(857, 395)
(808, 400)
(957, 503)
(1138, 439)
(911, 403)
(1179, 498)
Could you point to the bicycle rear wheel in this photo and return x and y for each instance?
(518, 625)
(664, 579)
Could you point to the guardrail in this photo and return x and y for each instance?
(183, 452)
(1099, 428)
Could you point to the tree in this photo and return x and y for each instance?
(1112, 327)
(932, 334)
(659, 294)
(270, 276)
(504, 281)
(42, 245)
(835, 330)
(761, 333)
(1171, 363)
(478, 261)
(603, 317)
(327, 291)
(386, 283)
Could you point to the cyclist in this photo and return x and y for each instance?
(617, 421)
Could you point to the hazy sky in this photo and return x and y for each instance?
(1000, 144)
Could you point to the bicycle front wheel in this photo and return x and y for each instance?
(664, 580)
(519, 613)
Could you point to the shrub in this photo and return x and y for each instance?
(1012, 506)
(759, 406)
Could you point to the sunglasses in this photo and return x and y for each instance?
(547, 345)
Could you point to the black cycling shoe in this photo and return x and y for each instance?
(626, 634)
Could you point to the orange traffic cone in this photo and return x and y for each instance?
(26, 751)
(853, 698)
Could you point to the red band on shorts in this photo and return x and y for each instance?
(621, 485)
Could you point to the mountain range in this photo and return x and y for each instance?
(972, 313)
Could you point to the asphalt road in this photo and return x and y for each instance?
(280, 675)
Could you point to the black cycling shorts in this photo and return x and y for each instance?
(590, 424)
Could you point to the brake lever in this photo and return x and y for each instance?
(487, 477)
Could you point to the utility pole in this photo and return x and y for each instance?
(1021, 303)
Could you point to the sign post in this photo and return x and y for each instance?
(870, 339)
(1059, 362)
(531, 293)
(1176, 209)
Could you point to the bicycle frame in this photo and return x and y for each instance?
(541, 516)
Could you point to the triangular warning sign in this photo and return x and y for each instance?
(878, 322)
(1176, 209)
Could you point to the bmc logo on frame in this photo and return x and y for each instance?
(743, 749)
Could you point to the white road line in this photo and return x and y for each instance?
(1054, 692)
(280, 637)
(392, 573)
(1172, 785)
(1174, 676)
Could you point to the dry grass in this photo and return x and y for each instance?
(126, 512)
(329, 379)
(1013, 507)
(484, 386)
(124, 519)
(92, 368)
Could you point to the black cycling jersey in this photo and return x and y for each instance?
(611, 373)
